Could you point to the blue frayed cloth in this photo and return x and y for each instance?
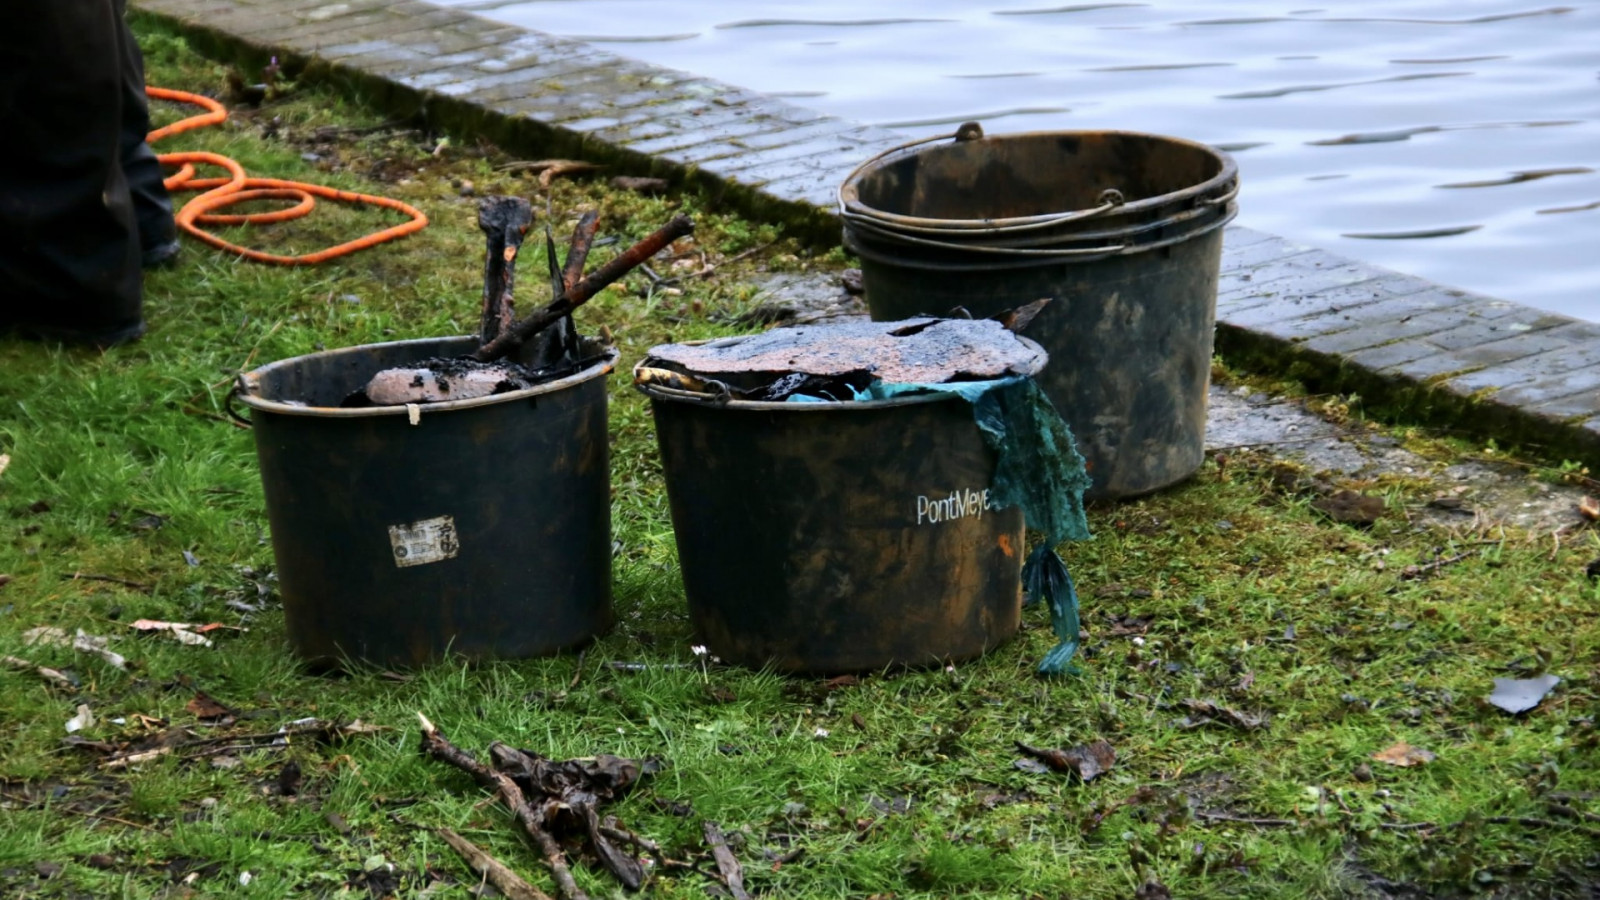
(1037, 468)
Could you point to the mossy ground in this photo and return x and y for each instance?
(1230, 589)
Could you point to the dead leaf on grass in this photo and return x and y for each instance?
(1404, 755)
(1351, 508)
(1206, 713)
(49, 635)
(1087, 761)
(204, 706)
(54, 676)
(184, 632)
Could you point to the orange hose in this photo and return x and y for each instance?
(238, 187)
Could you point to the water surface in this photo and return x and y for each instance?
(1458, 141)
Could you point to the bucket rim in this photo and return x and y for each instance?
(850, 203)
(995, 261)
(692, 398)
(249, 383)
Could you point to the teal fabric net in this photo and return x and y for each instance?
(1037, 468)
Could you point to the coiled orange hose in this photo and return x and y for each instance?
(238, 187)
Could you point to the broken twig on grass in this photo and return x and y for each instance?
(86, 576)
(709, 268)
(727, 863)
(585, 289)
(1242, 820)
(496, 872)
(436, 746)
(1413, 572)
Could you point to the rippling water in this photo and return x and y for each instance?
(1457, 141)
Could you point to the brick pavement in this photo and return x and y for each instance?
(1471, 361)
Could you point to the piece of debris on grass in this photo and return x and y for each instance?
(1207, 713)
(1589, 508)
(51, 636)
(84, 719)
(290, 778)
(183, 632)
(1404, 755)
(1350, 507)
(184, 744)
(640, 185)
(1518, 695)
(727, 864)
(204, 706)
(550, 169)
(1087, 761)
(54, 676)
(1152, 890)
(555, 799)
(493, 870)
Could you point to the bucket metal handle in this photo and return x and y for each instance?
(1110, 199)
(1222, 198)
(867, 225)
(683, 386)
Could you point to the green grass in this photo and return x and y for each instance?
(1190, 594)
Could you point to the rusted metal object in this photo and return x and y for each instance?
(586, 288)
(476, 527)
(914, 351)
(988, 223)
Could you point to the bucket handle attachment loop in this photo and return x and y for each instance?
(1221, 199)
(851, 208)
(233, 411)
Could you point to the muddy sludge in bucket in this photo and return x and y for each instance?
(835, 517)
(477, 527)
(1122, 230)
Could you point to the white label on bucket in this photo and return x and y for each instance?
(959, 504)
(427, 541)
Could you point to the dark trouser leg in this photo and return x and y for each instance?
(152, 208)
(69, 247)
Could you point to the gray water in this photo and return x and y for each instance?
(1458, 141)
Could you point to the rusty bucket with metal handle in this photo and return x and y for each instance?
(1122, 230)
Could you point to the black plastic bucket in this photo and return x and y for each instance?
(1122, 230)
(838, 536)
(475, 527)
